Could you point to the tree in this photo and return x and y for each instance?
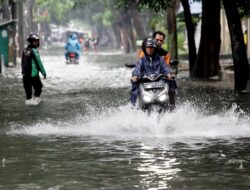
(125, 21)
(190, 35)
(29, 16)
(207, 62)
(172, 29)
(54, 11)
(241, 70)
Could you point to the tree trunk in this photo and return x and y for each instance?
(13, 9)
(6, 11)
(190, 34)
(20, 26)
(241, 70)
(137, 23)
(125, 39)
(116, 29)
(29, 16)
(125, 24)
(172, 30)
(207, 63)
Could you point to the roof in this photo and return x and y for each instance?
(8, 22)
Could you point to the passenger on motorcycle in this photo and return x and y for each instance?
(150, 63)
(159, 37)
(72, 46)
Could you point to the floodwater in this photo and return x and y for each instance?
(84, 134)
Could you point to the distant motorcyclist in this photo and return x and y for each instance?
(150, 63)
(94, 41)
(31, 66)
(72, 46)
(86, 43)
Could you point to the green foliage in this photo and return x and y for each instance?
(107, 18)
(244, 7)
(53, 10)
(156, 5)
(158, 22)
(97, 18)
(99, 13)
(181, 43)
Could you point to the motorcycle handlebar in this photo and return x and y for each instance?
(147, 78)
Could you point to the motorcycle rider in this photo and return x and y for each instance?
(86, 43)
(31, 66)
(72, 46)
(160, 37)
(150, 63)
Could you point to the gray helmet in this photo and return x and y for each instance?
(148, 42)
(33, 37)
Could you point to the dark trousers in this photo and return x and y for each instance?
(134, 93)
(28, 83)
(172, 92)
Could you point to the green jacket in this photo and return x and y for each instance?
(37, 65)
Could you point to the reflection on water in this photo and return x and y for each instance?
(157, 163)
(85, 135)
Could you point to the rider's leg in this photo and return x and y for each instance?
(172, 93)
(134, 93)
(66, 55)
(77, 56)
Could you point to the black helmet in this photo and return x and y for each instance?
(31, 38)
(148, 42)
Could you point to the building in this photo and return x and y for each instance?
(7, 42)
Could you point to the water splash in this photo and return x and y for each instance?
(3, 162)
(186, 121)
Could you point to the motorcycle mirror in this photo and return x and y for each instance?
(130, 65)
(174, 62)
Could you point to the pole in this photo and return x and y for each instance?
(2, 65)
(20, 25)
(248, 38)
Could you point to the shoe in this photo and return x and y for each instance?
(36, 100)
(67, 61)
(29, 102)
(171, 107)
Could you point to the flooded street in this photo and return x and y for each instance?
(84, 134)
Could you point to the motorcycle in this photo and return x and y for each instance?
(153, 93)
(72, 58)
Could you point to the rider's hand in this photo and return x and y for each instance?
(172, 76)
(169, 76)
(134, 78)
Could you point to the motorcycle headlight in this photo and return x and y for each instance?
(163, 97)
(147, 98)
